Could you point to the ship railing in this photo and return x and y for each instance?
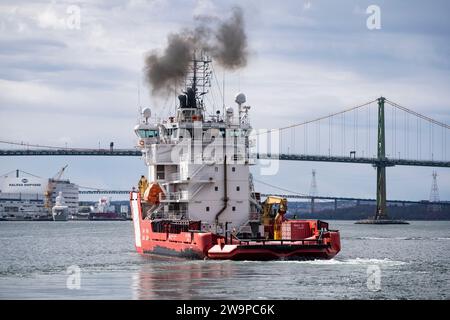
(176, 215)
(174, 196)
(189, 119)
(233, 239)
(202, 159)
(209, 159)
(254, 216)
(178, 177)
(175, 177)
(245, 227)
(196, 158)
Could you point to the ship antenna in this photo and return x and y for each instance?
(223, 91)
(139, 100)
(139, 94)
(194, 80)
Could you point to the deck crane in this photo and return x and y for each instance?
(272, 222)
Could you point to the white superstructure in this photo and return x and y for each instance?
(103, 206)
(200, 164)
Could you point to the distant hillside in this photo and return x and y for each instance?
(347, 210)
(409, 212)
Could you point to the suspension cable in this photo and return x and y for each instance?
(418, 114)
(279, 188)
(318, 119)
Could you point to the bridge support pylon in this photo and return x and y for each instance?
(381, 216)
(381, 213)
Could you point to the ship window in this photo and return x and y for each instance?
(233, 169)
(216, 188)
(216, 169)
(207, 209)
(146, 133)
(238, 188)
(234, 208)
(160, 172)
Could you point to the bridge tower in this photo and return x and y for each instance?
(381, 163)
(381, 213)
(313, 188)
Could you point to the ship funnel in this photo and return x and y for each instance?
(183, 101)
(191, 101)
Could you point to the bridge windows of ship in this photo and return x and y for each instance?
(238, 188)
(148, 133)
(207, 209)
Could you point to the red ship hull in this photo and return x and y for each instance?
(158, 237)
(189, 244)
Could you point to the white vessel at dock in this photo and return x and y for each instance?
(60, 212)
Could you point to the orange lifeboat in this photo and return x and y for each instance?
(152, 193)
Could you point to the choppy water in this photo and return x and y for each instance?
(413, 261)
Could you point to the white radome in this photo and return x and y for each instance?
(230, 111)
(147, 113)
(240, 98)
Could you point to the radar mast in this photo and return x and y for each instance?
(199, 76)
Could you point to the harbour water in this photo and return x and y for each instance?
(411, 262)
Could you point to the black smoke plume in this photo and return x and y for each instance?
(225, 41)
(230, 48)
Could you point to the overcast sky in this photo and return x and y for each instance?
(61, 85)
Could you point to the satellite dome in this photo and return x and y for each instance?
(147, 112)
(240, 98)
(230, 111)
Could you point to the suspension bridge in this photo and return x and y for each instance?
(380, 132)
